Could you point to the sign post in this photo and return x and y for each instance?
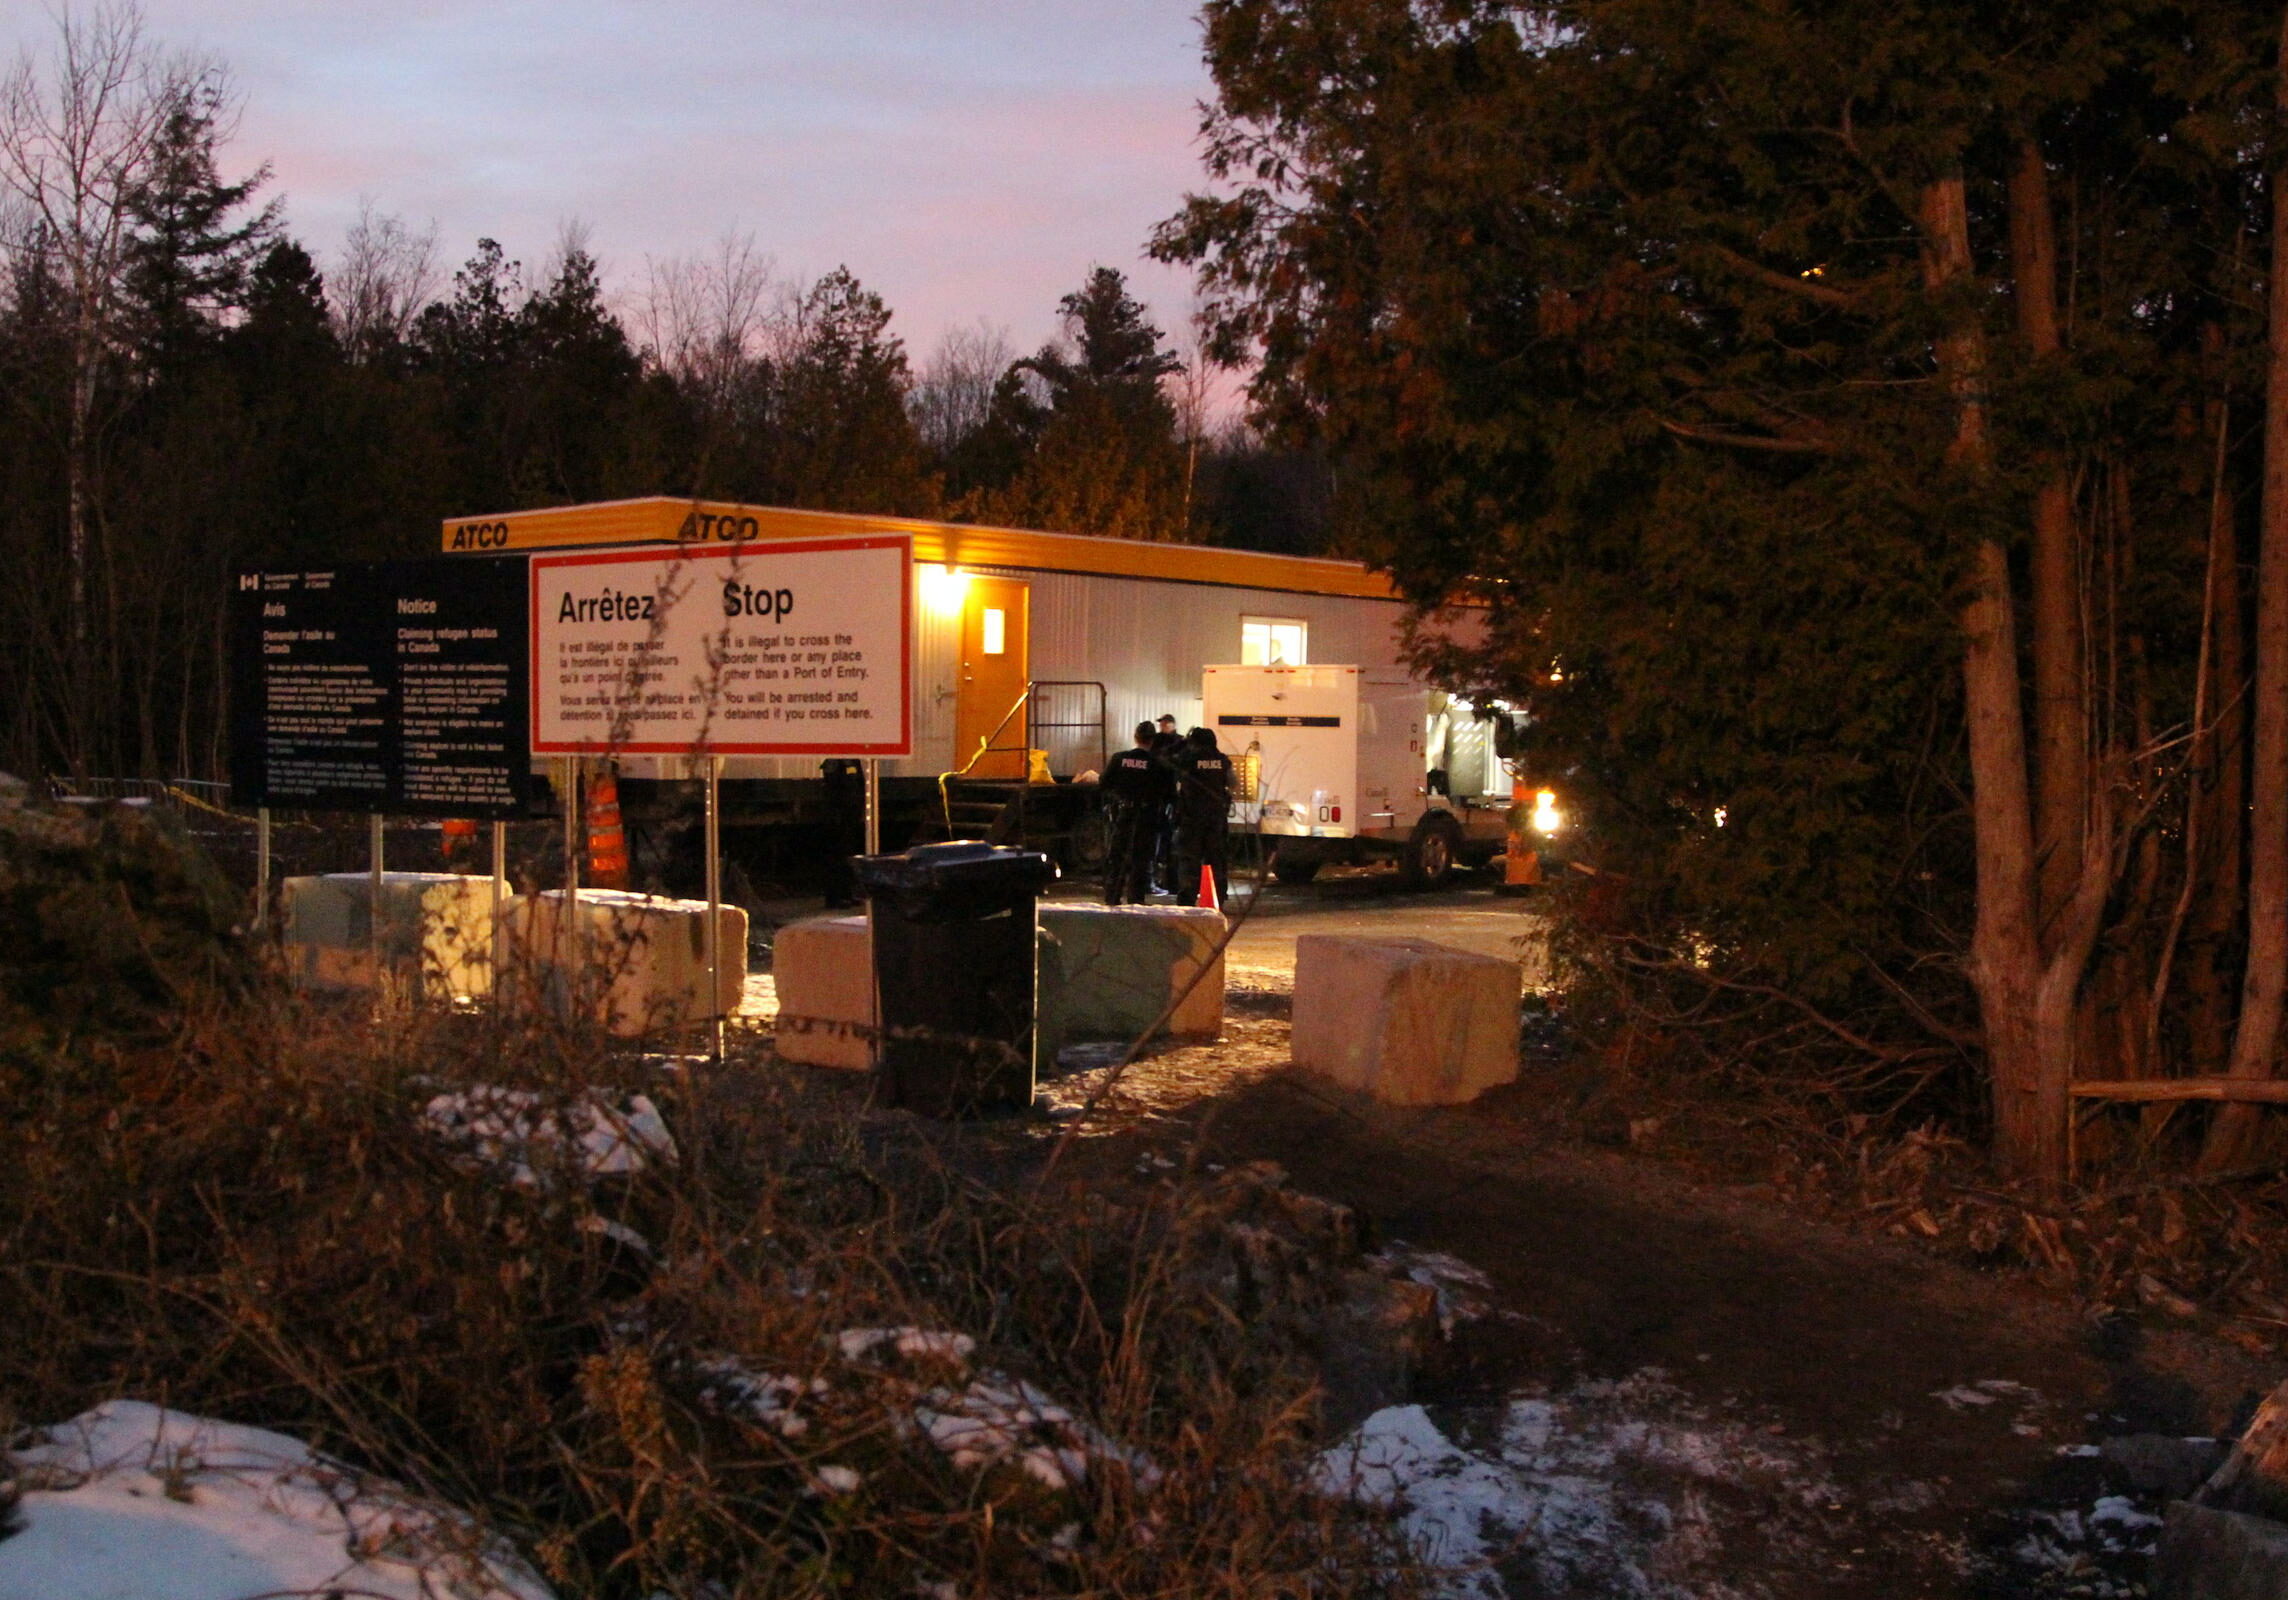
(568, 926)
(714, 837)
(373, 907)
(873, 806)
(261, 867)
(500, 893)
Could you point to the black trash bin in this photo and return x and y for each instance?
(953, 965)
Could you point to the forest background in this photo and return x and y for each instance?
(1867, 425)
(185, 389)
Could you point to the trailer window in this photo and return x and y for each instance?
(996, 631)
(1273, 642)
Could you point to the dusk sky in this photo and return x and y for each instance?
(967, 158)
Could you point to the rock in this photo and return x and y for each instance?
(1291, 1268)
(823, 969)
(1122, 965)
(436, 931)
(2208, 1554)
(1407, 1021)
(2254, 1478)
(637, 962)
(2162, 1464)
(2228, 1542)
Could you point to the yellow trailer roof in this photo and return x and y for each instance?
(664, 520)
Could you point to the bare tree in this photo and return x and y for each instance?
(575, 239)
(386, 275)
(955, 389)
(80, 130)
(704, 320)
(1191, 391)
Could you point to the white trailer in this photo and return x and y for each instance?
(1351, 763)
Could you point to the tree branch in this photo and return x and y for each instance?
(1786, 283)
(1749, 441)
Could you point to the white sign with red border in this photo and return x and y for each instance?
(800, 648)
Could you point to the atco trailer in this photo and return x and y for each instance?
(1352, 763)
(1022, 642)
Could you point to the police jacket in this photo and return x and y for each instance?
(1203, 786)
(1136, 777)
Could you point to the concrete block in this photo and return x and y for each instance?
(436, 931)
(1407, 1021)
(1119, 966)
(823, 969)
(636, 961)
(2207, 1554)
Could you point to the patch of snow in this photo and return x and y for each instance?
(2121, 1511)
(916, 1344)
(1963, 1395)
(519, 1133)
(764, 1398)
(617, 1232)
(999, 1419)
(2100, 1548)
(132, 1502)
(1606, 1488)
(837, 1480)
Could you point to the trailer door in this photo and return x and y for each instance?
(996, 664)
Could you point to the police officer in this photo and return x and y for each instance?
(1168, 747)
(1203, 816)
(1135, 792)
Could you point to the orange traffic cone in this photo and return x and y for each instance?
(1208, 889)
(457, 836)
(607, 839)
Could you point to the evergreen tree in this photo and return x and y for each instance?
(192, 242)
(1720, 349)
(1087, 421)
(843, 437)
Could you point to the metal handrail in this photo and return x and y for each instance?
(1034, 726)
(985, 747)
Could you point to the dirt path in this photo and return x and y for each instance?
(1675, 1390)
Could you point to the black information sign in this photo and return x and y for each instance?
(389, 686)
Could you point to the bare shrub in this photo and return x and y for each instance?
(659, 1377)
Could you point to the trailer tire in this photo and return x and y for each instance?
(1431, 855)
(1296, 870)
(1091, 843)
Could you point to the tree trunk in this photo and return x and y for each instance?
(2220, 755)
(2061, 718)
(2005, 966)
(79, 447)
(2256, 1040)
